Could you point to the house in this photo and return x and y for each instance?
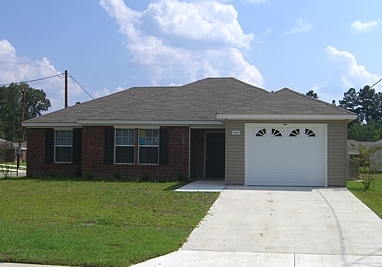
(376, 157)
(215, 128)
(7, 151)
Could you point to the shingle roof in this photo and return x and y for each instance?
(197, 101)
(353, 146)
(287, 101)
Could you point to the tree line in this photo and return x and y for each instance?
(366, 104)
(12, 98)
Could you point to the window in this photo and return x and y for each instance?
(276, 133)
(261, 132)
(294, 133)
(124, 146)
(63, 144)
(148, 146)
(309, 133)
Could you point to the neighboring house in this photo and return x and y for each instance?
(215, 128)
(7, 152)
(376, 156)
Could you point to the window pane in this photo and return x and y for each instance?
(64, 138)
(148, 137)
(63, 154)
(124, 137)
(148, 155)
(124, 154)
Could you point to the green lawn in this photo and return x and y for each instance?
(372, 197)
(89, 223)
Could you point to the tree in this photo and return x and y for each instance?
(366, 103)
(350, 100)
(312, 94)
(370, 104)
(11, 97)
(370, 132)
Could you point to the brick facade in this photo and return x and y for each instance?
(36, 158)
(93, 147)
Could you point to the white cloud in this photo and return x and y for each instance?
(102, 92)
(180, 42)
(301, 26)
(105, 92)
(359, 27)
(346, 73)
(17, 69)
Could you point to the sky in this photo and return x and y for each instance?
(110, 45)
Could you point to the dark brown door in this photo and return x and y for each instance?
(215, 152)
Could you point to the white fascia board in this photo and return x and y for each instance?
(284, 117)
(139, 123)
(206, 126)
(51, 125)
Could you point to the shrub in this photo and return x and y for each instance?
(370, 163)
(78, 171)
(89, 176)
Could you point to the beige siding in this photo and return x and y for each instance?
(337, 168)
(353, 170)
(337, 153)
(234, 173)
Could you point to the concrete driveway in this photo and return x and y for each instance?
(271, 226)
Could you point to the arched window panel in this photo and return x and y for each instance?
(294, 133)
(276, 133)
(309, 133)
(261, 132)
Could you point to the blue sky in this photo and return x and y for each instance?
(110, 45)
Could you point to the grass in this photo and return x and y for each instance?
(371, 197)
(88, 223)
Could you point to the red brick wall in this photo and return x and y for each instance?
(36, 158)
(93, 157)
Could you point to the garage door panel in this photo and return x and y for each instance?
(286, 155)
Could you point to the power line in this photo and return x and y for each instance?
(375, 83)
(45, 78)
(80, 86)
(35, 80)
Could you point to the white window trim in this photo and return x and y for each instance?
(139, 146)
(115, 146)
(55, 146)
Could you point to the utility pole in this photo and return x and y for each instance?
(66, 88)
(18, 151)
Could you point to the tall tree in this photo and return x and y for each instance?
(366, 103)
(370, 104)
(312, 94)
(11, 101)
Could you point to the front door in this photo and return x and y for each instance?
(215, 152)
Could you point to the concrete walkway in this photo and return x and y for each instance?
(271, 226)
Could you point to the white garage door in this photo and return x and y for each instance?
(285, 154)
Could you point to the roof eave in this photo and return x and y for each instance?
(348, 118)
(149, 122)
(81, 123)
(50, 124)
